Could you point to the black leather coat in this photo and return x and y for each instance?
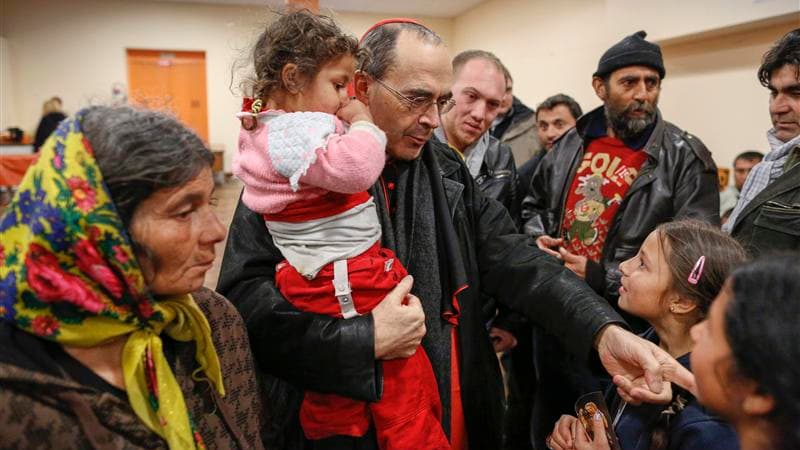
(678, 180)
(498, 177)
(326, 354)
(771, 221)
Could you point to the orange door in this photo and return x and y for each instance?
(170, 81)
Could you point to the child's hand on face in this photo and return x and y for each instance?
(354, 111)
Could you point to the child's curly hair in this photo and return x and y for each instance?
(307, 40)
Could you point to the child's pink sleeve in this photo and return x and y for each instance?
(350, 162)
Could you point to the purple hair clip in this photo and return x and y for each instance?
(697, 270)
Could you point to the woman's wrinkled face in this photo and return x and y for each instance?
(177, 229)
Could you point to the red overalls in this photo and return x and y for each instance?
(409, 413)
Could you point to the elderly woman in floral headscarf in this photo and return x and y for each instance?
(107, 338)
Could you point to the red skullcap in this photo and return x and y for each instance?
(388, 21)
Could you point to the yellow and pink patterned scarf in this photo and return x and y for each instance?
(68, 274)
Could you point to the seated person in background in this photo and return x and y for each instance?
(670, 283)
(307, 172)
(108, 338)
(52, 115)
(741, 168)
(746, 355)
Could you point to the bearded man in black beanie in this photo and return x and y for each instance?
(604, 187)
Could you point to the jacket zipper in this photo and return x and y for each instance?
(565, 189)
(776, 206)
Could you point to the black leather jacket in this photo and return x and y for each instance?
(678, 180)
(498, 177)
(326, 354)
(771, 221)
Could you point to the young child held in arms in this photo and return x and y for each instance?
(670, 283)
(307, 155)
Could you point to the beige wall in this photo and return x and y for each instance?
(712, 49)
(679, 18)
(6, 86)
(76, 49)
(712, 90)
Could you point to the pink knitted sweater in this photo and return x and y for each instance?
(297, 156)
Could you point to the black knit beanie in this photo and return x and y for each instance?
(631, 51)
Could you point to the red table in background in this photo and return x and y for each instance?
(13, 167)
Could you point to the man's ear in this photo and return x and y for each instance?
(599, 86)
(361, 87)
(290, 76)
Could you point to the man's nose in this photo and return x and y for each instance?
(640, 91)
(779, 105)
(478, 112)
(430, 118)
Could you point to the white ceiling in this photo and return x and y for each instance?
(431, 8)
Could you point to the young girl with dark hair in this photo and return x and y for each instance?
(670, 283)
(746, 356)
(307, 155)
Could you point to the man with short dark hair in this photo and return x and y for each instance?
(478, 90)
(767, 216)
(601, 190)
(457, 243)
(554, 117)
(742, 165)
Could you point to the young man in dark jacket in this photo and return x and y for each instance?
(478, 88)
(767, 215)
(607, 184)
(456, 243)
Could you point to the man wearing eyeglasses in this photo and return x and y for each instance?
(456, 243)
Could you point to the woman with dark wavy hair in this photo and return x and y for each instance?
(746, 357)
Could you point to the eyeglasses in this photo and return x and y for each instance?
(419, 105)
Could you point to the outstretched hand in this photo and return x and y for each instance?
(549, 245)
(641, 370)
(573, 262)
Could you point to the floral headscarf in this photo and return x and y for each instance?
(68, 274)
